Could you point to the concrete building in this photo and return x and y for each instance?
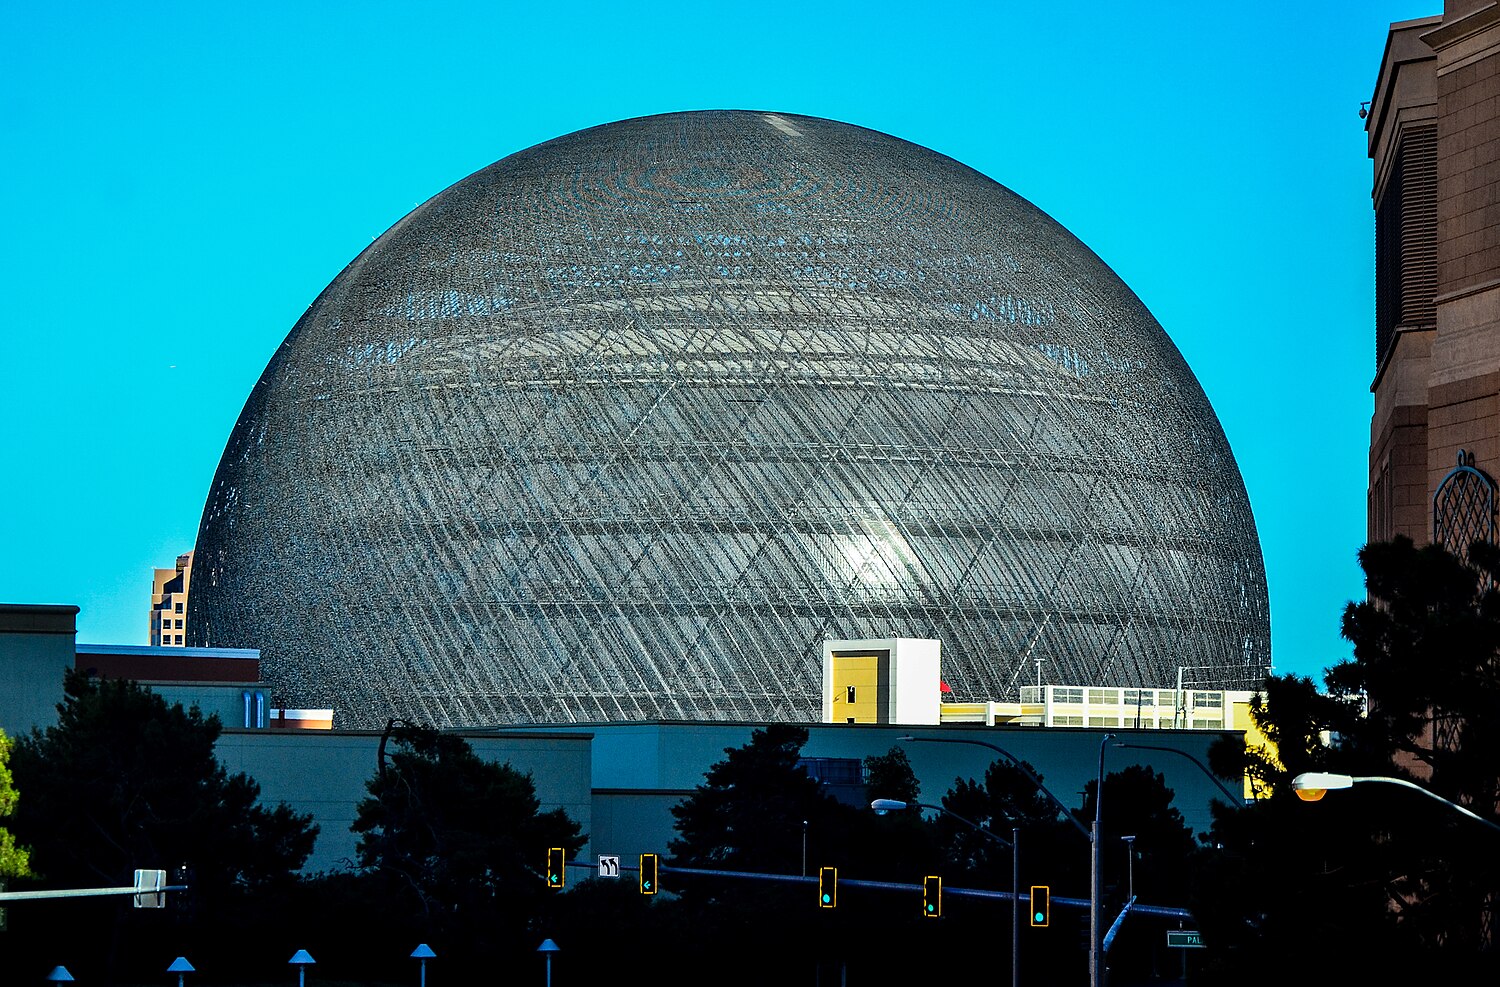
(169, 594)
(618, 780)
(1434, 138)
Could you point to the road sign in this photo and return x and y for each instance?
(609, 865)
(148, 889)
(1182, 939)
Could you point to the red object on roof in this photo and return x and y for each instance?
(944, 686)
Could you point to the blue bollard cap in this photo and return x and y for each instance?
(548, 946)
(301, 958)
(181, 965)
(423, 952)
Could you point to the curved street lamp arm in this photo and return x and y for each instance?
(1015, 762)
(1432, 795)
(967, 822)
(1233, 798)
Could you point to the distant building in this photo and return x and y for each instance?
(224, 682)
(169, 593)
(1434, 138)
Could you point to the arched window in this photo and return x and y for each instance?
(1463, 507)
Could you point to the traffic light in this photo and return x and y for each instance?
(932, 897)
(556, 874)
(1041, 905)
(648, 873)
(828, 887)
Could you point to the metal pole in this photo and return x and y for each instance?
(1094, 980)
(1096, 973)
(1015, 907)
(804, 848)
(549, 970)
(422, 976)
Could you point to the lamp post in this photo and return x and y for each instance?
(1233, 798)
(1092, 837)
(1096, 873)
(1129, 842)
(882, 806)
(181, 966)
(547, 948)
(421, 954)
(1311, 786)
(301, 959)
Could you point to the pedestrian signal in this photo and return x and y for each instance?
(556, 874)
(828, 887)
(648, 873)
(932, 897)
(1041, 905)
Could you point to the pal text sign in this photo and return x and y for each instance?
(1185, 940)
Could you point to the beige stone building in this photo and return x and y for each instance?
(169, 593)
(1434, 138)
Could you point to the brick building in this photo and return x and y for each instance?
(1434, 138)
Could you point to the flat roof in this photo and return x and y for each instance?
(142, 650)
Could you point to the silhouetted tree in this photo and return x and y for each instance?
(750, 810)
(456, 844)
(126, 781)
(1414, 882)
(889, 776)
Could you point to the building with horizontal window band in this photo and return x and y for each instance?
(619, 780)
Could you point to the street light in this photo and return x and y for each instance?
(301, 959)
(181, 967)
(1095, 976)
(421, 954)
(882, 806)
(547, 948)
(1311, 786)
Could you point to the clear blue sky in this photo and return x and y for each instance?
(179, 182)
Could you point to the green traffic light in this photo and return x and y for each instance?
(825, 899)
(1040, 917)
(929, 908)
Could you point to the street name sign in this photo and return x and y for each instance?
(1182, 939)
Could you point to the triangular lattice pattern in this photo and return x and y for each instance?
(626, 424)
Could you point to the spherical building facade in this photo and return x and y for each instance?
(625, 425)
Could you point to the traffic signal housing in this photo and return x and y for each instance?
(828, 887)
(932, 897)
(648, 873)
(1041, 905)
(556, 868)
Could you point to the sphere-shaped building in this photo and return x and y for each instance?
(625, 425)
